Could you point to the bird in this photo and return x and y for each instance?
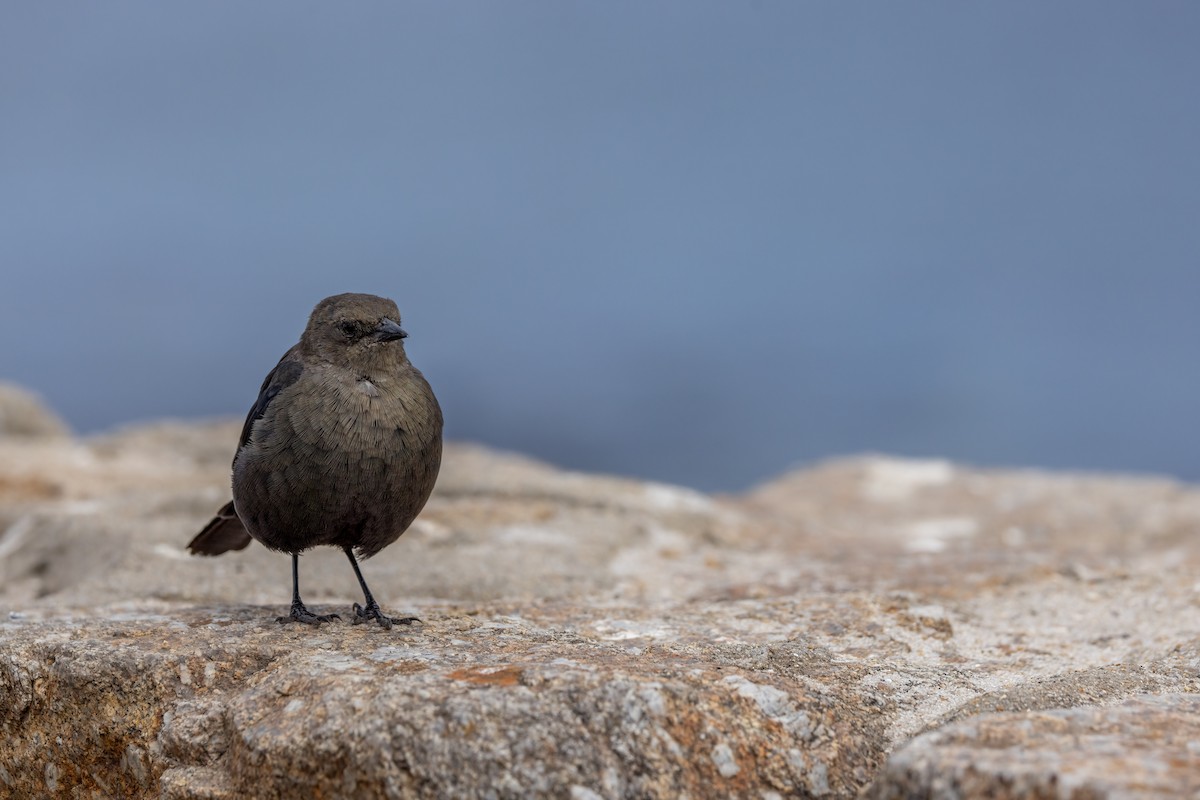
(341, 448)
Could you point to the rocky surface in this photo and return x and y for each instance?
(1145, 747)
(22, 414)
(869, 626)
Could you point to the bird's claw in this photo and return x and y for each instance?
(372, 612)
(301, 614)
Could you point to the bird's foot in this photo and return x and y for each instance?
(301, 614)
(372, 612)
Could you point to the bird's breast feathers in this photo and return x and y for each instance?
(358, 413)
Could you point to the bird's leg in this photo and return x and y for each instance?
(299, 612)
(371, 611)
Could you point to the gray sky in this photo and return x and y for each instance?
(694, 241)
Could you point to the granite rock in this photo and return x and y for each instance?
(22, 414)
(896, 627)
(1143, 747)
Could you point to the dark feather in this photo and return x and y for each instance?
(224, 532)
(285, 373)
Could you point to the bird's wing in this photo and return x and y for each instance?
(226, 531)
(286, 372)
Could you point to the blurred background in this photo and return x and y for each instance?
(695, 241)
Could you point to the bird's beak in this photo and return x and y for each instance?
(389, 331)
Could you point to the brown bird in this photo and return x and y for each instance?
(341, 448)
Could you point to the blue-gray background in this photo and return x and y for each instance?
(696, 241)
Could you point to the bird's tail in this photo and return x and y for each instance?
(225, 532)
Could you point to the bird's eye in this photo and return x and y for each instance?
(347, 327)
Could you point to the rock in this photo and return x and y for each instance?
(1145, 747)
(590, 636)
(468, 703)
(22, 414)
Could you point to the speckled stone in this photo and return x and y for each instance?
(911, 628)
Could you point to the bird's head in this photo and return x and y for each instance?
(356, 329)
